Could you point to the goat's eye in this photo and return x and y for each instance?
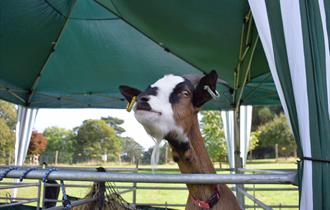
(185, 93)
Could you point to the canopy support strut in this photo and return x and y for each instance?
(246, 54)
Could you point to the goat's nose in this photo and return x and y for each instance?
(143, 98)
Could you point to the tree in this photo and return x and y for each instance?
(254, 141)
(8, 112)
(214, 135)
(130, 149)
(94, 139)
(7, 142)
(147, 155)
(7, 131)
(61, 142)
(264, 114)
(278, 132)
(114, 123)
(260, 116)
(38, 143)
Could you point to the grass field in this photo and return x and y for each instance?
(179, 197)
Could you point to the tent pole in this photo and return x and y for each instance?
(25, 121)
(237, 154)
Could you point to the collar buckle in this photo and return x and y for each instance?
(209, 203)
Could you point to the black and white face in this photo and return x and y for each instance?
(156, 106)
(168, 105)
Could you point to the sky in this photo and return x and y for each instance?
(70, 118)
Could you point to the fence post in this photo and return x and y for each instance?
(44, 166)
(134, 183)
(238, 159)
(39, 194)
(276, 152)
(254, 194)
(56, 157)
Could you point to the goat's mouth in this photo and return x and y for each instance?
(145, 107)
(150, 111)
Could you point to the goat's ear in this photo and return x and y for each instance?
(201, 96)
(128, 92)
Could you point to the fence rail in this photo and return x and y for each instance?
(131, 175)
(64, 174)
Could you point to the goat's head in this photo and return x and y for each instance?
(166, 107)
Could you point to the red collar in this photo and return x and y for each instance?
(209, 203)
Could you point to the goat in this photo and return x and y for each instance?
(168, 110)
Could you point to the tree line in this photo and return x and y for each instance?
(94, 140)
(8, 116)
(270, 130)
(101, 139)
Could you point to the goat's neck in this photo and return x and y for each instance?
(195, 159)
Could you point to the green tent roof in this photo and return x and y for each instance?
(60, 53)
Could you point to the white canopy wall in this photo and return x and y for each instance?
(25, 121)
(228, 127)
(294, 35)
(245, 130)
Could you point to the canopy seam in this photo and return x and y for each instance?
(37, 79)
(76, 18)
(153, 40)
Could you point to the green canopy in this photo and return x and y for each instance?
(62, 53)
(75, 54)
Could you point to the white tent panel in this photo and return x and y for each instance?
(228, 127)
(25, 122)
(295, 48)
(327, 49)
(245, 131)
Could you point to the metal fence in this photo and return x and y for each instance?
(134, 176)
